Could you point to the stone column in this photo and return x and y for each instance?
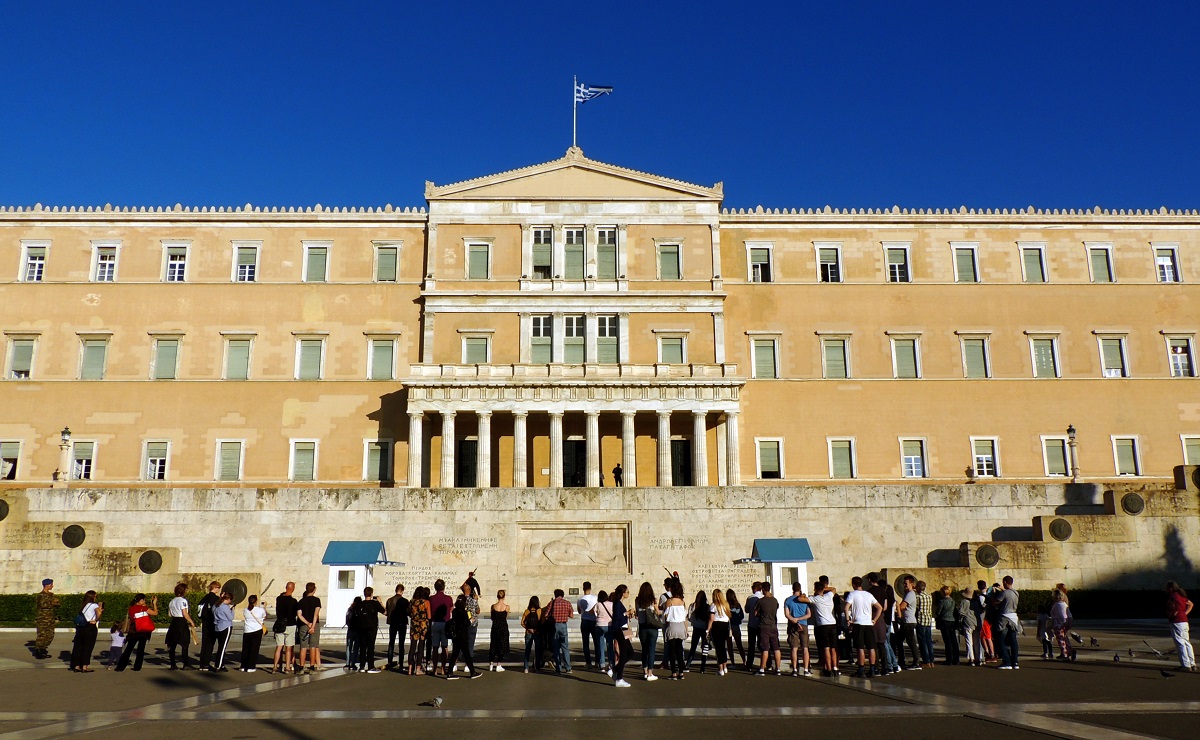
(416, 446)
(722, 453)
(628, 454)
(483, 461)
(664, 448)
(699, 449)
(556, 449)
(592, 435)
(731, 448)
(446, 479)
(520, 461)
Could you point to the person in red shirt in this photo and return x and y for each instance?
(441, 608)
(1178, 609)
(559, 612)
(141, 626)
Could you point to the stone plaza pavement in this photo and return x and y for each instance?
(1094, 697)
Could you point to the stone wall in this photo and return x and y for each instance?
(533, 540)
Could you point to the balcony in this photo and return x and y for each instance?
(521, 372)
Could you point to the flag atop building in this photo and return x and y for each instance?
(585, 92)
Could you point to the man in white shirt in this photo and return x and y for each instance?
(826, 626)
(864, 610)
(587, 625)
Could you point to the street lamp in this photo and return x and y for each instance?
(1074, 456)
(66, 435)
(64, 459)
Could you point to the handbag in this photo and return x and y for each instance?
(651, 618)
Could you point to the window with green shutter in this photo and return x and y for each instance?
(35, 264)
(166, 357)
(1101, 265)
(477, 261)
(905, 351)
(20, 365)
(379, 463)
(1045, 364)
(760, 265)
(606, 254)
(1127, 462)
(541, 339)
(1113, 355)
(671, 350)
(897, 259)
(304, 460)
(913, 458)
(1179, 356)
(94, 353)
(83, 453)
(964, 265)
(156, 461)
(607, 348)
(668, 262)
(841, 457)
(177, 263)
(381, 359)
(768, 459)
(1035, 271)
(975, 357)
(985, 457)
(574, 339)
(831, 268)
(230, 461)
(834, 351)
(573, 255)
(316, 260)
(764, 359)
(309, 365)
(386, 263)
(1191, 451)
(1056, 457)
(10, 453)
(247, 264)
(543, 253)
(237, 359)
(475, 350)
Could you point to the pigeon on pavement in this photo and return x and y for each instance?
(1116, 657)
(1166, 674)
(435, 702)
(1095, 642)
(1131, 653)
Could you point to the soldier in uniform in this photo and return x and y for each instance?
(47, 617)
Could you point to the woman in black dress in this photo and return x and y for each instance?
(461, 638)
(499, 646)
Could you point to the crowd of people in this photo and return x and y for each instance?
(867, 627)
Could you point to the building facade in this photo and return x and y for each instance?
(539, 327)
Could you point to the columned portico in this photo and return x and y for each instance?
(416, 442)
(483, 476)
(628, 452)
(592, 437)
(731, 448)
(520, 444)
(699, 449)
(446, 478)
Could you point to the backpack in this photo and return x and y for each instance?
(354, 620)
(531, 620)
(80, 620)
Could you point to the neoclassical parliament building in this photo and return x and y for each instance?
(543, 326)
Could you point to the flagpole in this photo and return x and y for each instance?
(574, 109)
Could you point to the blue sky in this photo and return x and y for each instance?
(1067, 104)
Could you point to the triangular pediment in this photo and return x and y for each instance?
(573, 177)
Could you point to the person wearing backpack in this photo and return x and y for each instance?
(142, 627)
(206, 610)
(85, 633)
(531, 622)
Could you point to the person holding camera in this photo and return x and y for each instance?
(368, 630)
(141, 627)
(85, 633)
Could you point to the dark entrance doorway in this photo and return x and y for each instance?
(681, 462)
(467, 459)
(574, 463)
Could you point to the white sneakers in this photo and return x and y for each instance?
(652, 677)
(499, 669)
(622, 684)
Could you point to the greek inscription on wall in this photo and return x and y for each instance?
(466, 545)
(677, 543)
(386, 577)
(707, 576)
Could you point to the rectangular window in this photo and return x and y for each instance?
(316, 262)
(377, 464)
(309, 358)
(346, 580)
(92, 363)
(668, 262)
(607, 345)
(906, 362)
(1126, 453)
(764, 359)
(166, 358)
(1100, 260)
(1045, 357)
(475, 350)
(965, 269)
(237, 359)
(387, 263)
(1055, 451)
(10, 454)
(841, 458)
(985, 458)
(975, 357)
(156, 460)
(1034, 264)
(573, 255)
(33, 266)
(245, 263)
(105, 268)
(836, 363)
(543, 253)
(177, 255)
(830, 260)
(382, 359)
(1112, 357)
(20, 359)
(670, 350)
(760, 265)
(477, 261)
(541, 340)
(770, 464)
(573, 340)
(897, 265)
(229, 460)
(1179, 354)
(83, 455)
(606, 254)
(304, 460)
(1166, 265)
(912, 452)
(1191, 450)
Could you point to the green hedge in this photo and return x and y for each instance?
(18, 610)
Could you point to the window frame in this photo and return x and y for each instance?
(292, 442)
(845, 340)
(83, 344)
(769, 247)
(1122, 347)
(17, 467)
(616, 251)
(916, 340)
(973, 248)
(26, 245)
(659, 245)
(534, 244)
(755, 338)
(1053, 339)
(241, 443)
(387, 444)
(10, 354)
(611, 321)
(1040, 248)
(569, 246)
(1139, 470)
(238, 337)
(167, 246)
(906, 247)
(1190, 353)
(102, 247)
(300, 339)
(146, 476)
(818, 246)
(683, 346)
(158, 338)
(1183, 442)
(1173, 248)
(237, 246)
(91, 473)
(758, 469)
(541, 327)
(924, 442)
(995, 441)
(853, 456)
(574, 322)
(371, 340)
(469, 334)
(1066, 447)
(308, 246)
(380, 246)
(1107, 248)
(984, 337)
(468, 244)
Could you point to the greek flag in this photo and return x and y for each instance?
(584, 93)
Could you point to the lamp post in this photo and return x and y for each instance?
(63, 473)
(1074, 456)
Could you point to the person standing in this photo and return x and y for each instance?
(531, 621)
(86, 632)
(587, 626)
(736, 616)
(862, 612)
(254, 625)
(46, 604)
(718, 631)
(441, 606)
(460, 637)
(908, 623)
(418, 614)
(883, 592)
(396, 613)
(223, 624)
(618, 476)
(141, 627)
(308, 630)
(181, 628)
(649, 627)
(979, 609)
(966, 624)
(796, 613)
(1010, 624)
(826, 626)
(204, 609)
(116, 633)
(752, 623)
(470, 589)
(368, 630)
(947, 623)
(559, 610)
(674, 612)
(1179, 606)
(699, 615)
(622, 648)
(286, 608)
(602, 613)
(925, 622)
(498, 645)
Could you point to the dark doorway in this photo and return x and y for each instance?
(681, 462)
(468, 455)
(574, 463)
